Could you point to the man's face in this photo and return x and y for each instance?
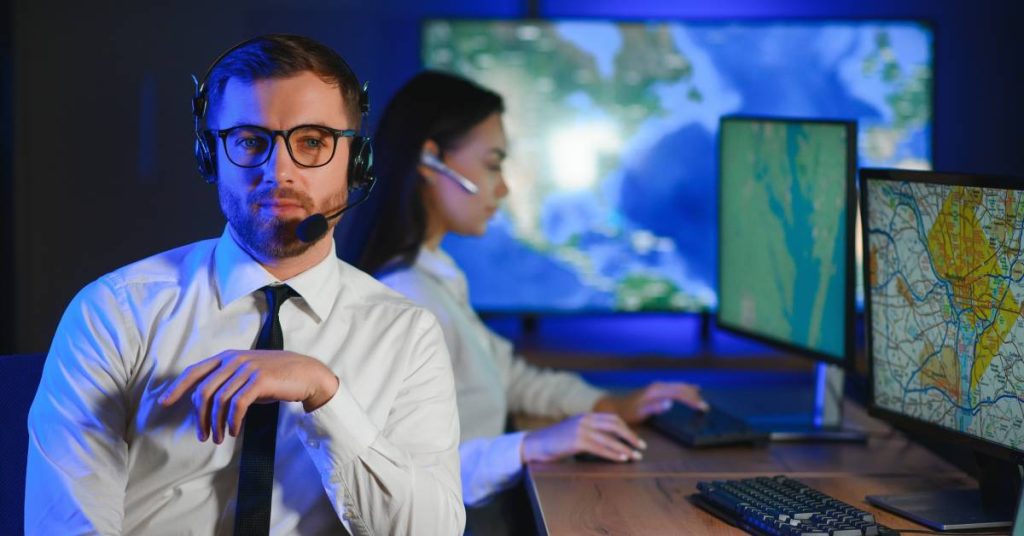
(265, 204)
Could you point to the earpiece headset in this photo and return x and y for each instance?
(433, 162)
(360, 163)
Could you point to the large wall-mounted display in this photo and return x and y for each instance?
(613, 127)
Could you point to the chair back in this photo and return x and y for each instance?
(19, 378)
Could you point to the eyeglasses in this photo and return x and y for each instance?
(250, 146)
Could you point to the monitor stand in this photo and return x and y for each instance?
(828, 412)
(989, 506)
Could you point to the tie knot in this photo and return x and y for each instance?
(271, 337)
(276, 295)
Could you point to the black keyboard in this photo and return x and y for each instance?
(695, 428)
(782, 506)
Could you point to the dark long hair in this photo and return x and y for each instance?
(432, 106)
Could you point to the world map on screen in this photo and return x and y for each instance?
(612, 133)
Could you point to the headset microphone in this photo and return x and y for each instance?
(428, 159)
(314, 227)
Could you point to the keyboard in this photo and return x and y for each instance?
(694, 428)
(786, 507)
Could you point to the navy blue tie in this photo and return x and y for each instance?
(256, 470)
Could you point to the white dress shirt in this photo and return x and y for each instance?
(489, 378)
(105, 457)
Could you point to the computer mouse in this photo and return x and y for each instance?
(587, 457)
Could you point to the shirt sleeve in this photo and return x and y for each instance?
(77, 453)
(490, 465)
(402, 478)
(541, 391)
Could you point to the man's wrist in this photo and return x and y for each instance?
(323, 394)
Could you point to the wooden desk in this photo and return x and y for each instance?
(650, 497)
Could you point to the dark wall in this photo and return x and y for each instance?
(7, 305)
(102, 166)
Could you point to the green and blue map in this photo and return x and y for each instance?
(784, 231)
(613, 130)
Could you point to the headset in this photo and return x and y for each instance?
(433, 162)
(360, 163)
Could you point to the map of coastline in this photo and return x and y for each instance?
(613, 130)
(783, 202)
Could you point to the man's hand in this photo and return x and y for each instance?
(602, 434)
(225, 385)
(656, 398)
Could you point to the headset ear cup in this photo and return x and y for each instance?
(360, 163)
(204, 157)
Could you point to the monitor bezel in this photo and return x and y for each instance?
(849, 285)
(980, 444)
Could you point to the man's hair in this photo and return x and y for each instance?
(281, 56)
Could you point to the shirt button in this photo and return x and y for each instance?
(313, 444)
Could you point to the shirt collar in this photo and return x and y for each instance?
(442, 267)
(237, 274)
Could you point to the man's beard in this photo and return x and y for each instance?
(264, 234)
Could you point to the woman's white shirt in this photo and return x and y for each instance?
(490, 380)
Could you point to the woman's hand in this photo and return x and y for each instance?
(601, 434)
(656, 398)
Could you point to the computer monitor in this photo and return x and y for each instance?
(612, 128)
(944, 280)
(786, 204)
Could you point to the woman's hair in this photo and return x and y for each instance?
(432, 106)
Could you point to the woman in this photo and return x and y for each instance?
(442, 145)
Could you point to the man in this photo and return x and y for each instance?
(150, 383)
